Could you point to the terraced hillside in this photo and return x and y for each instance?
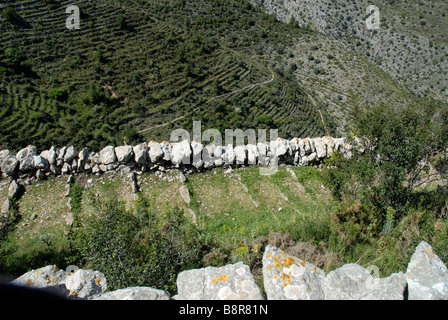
(132, 68)
(136, 70)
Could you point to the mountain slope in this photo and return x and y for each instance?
(411, 43)
(136, 70)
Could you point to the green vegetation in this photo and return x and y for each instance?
(135, 247)
(126, 74)
(142, 67)
(9, 14)
(389, 194)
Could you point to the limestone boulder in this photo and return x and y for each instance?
(240, 154)
(27, 163)
(181, 152)
(107, 155)
(10, 165)
(40, 162)
(427, 275)
(70, 154)
(141, 153)
(346, 283)
(390, 288)
(289, 278)
(50, 155)
(155, 152)
(86, 284)
(212, 155)
(196, 149)
(185, 194)
(320, 147)
(61, 154)
(14, 190)
(228, 155)
(6, 206)
(83, 155)
(252, 154)
(124, 153)
(354, 282)
(262, 149)
(230, 282)
(27, 152)
(167, 149)
(44, 277)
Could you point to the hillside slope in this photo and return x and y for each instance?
(410, 45)
(136, 70)
(129, 69)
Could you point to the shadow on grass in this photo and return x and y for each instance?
(12, 266)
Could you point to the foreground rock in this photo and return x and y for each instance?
(231, 282)
(82, 284)
(289, 278)
(353, 282)
(427, 275)
(285, 278)
(136, 293)
(86, 284)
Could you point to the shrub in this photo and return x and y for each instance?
(136, 247)
(393, 159)
(264, 119)
(9, 14)
(58, 94)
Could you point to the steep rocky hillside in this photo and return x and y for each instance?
(410, 45)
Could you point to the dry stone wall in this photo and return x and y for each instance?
(285, 277)
(29, 164)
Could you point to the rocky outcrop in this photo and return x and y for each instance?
(285, 277)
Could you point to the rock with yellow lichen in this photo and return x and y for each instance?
(43, 277)
(82, 284)
(231, 282)
(49, 278)
(427, 275)
(289, 278)
(86, 284)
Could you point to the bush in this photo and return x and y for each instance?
(60, 95)
(264, 119)
(393, 159)
(9, 14)
(136, 247)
